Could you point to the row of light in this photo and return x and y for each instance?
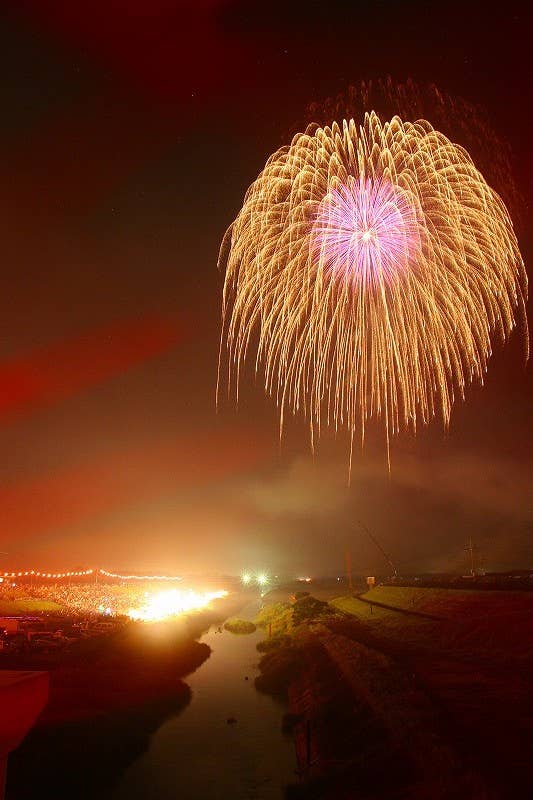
(140, 577)
(46, 574)
(32, 572)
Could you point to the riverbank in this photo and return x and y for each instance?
(407, 694)
(107, 697)
(227, 743)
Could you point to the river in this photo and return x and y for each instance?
(197, 755)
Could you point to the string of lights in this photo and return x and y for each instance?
(140, 577)
(84, 573)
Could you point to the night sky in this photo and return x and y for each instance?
(130, 132)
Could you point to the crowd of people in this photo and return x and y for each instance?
(111, 599)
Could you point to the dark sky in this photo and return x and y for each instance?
(130, 132)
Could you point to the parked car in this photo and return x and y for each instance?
(15, 643)
(45, 641)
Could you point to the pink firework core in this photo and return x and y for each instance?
(366, 231)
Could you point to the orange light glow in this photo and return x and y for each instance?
(160, 605)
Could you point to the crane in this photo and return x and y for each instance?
(381, 550)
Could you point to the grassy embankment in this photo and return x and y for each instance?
(475, 663)
(284, 650)
(339, 742)
(422, 683)
(497, 625)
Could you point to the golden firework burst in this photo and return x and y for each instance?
(373, 265)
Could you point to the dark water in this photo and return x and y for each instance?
(198, 756)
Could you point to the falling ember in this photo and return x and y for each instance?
(376, 267)
(160, 605)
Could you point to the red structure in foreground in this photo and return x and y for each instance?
(23, 695)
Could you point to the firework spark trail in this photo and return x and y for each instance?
(452, 116)
(375, 264)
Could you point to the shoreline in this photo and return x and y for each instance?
(105, 706)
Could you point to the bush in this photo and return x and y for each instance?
(279, 668)
(240, 626)
(283, 618)
(271, 614)
(307, 609)
(268, 645)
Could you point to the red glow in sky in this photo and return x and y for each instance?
(130, 133)
(51, 374)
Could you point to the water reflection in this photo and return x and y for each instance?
(198, 755)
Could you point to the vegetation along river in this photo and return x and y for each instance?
(227, 743)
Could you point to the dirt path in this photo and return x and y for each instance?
(405, 611)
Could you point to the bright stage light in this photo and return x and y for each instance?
(246, 578)
(160, 605)
(262, 579)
